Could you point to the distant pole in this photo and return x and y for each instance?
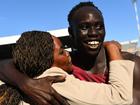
(137, 20)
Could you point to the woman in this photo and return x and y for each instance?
(38, 52)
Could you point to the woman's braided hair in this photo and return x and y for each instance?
(32, 55)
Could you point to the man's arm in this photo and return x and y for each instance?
(39, 91)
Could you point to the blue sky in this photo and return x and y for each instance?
(17, 16)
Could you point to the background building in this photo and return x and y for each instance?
(7, 42)
(130, 46)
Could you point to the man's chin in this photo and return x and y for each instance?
(92, 53)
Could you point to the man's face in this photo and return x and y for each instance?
(88, 30)
(62, 58)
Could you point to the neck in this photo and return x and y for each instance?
(83, 60)
(87, 62)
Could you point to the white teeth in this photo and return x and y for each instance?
(93, 44)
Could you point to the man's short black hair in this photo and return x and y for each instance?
(33, 53)
(80, 5)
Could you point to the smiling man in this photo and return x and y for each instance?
(87, 30)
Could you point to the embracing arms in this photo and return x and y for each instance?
(117, 91)
(38, 90)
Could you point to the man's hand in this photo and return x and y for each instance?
(41, 92)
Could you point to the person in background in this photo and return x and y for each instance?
(38, 53)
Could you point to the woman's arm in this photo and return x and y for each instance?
(38, 90)
(113, 50)
(118, 91)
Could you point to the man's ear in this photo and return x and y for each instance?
(70, 32)
(71, 35)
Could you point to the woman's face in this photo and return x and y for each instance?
(62, 58)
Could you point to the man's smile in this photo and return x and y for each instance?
(93, 44)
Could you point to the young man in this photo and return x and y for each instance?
(37, 53)
(87, 31)
(86, 27)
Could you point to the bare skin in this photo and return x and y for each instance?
(39, 91)
(85, 56)
(92, 29)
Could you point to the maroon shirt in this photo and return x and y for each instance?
(88, 76)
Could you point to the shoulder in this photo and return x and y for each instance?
(130, 56)
(53, 71)
(133, 57)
